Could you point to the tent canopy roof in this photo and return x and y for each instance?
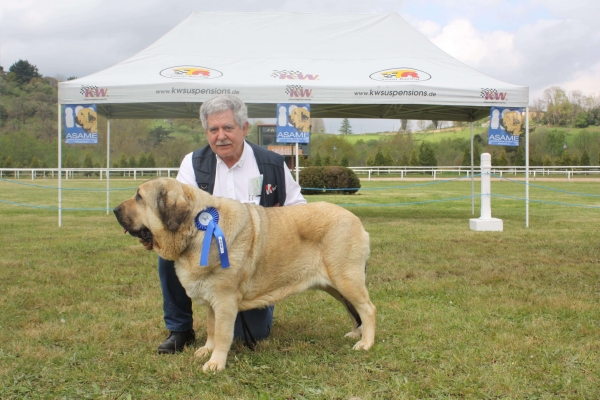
(343, 65)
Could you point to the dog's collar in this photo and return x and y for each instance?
(207, 220)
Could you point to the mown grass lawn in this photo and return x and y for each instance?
(461, 314)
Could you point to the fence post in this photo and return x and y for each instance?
(486, 222)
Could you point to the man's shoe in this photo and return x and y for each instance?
(177, 341)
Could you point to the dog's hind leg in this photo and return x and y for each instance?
(355, 297)
(356, 331)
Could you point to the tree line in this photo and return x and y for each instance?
(28, 135)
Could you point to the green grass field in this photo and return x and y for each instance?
(461, 314)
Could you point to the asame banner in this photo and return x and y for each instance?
(293, 123)
(81, 124)
(505, 126)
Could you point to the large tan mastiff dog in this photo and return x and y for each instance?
(273, 252)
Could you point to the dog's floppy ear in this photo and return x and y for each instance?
(173, 208)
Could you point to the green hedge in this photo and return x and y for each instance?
(329, 178)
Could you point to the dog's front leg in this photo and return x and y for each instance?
(224, 314)
(210, 334)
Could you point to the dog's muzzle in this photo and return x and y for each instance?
(143, 233)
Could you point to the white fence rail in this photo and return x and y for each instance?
(448, 172)
(371, 172)
(72, 173)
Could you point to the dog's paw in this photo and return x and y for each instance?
(213, 366)
(352, 335)
(362, 345)
(202, 352)
(355, 333)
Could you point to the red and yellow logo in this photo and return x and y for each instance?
(400, 75)
(190, 72)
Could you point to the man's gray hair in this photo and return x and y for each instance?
(222, 103)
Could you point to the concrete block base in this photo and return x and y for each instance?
(486, 224)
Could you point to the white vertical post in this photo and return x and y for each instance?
(472, 173)
(59, 165)
(297, 163)
(486, 222)
(486, 186)
(107, 166)
(527, 167)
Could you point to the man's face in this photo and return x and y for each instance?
(225, 137)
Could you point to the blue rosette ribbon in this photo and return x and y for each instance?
(208, 220)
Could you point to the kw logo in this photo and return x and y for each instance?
(93, 92)
(493, 95)
(285, 74)
(298, 92)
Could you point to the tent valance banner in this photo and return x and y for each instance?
(293, 123)
(81, 124)
(505, 126)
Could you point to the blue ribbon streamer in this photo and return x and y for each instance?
(212, 229)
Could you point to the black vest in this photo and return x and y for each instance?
(270, 165)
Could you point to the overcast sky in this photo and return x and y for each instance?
(535, 43)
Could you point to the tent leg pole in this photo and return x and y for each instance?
(107, 166)
(59, 165)
(472, 174)
(297, 163)
(527, 167)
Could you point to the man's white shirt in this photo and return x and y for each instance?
(234, 182)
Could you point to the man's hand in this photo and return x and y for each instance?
(147, 245)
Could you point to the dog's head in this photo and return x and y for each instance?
(300, 118)
(158, 210)
(87, 119)
(511, 121)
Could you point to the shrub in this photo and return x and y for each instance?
(329, 178)
(311, 177)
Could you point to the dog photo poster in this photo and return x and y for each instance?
(81, 124)
(505, 126)
(293, 123)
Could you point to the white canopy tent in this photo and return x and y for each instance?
(343, 65)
